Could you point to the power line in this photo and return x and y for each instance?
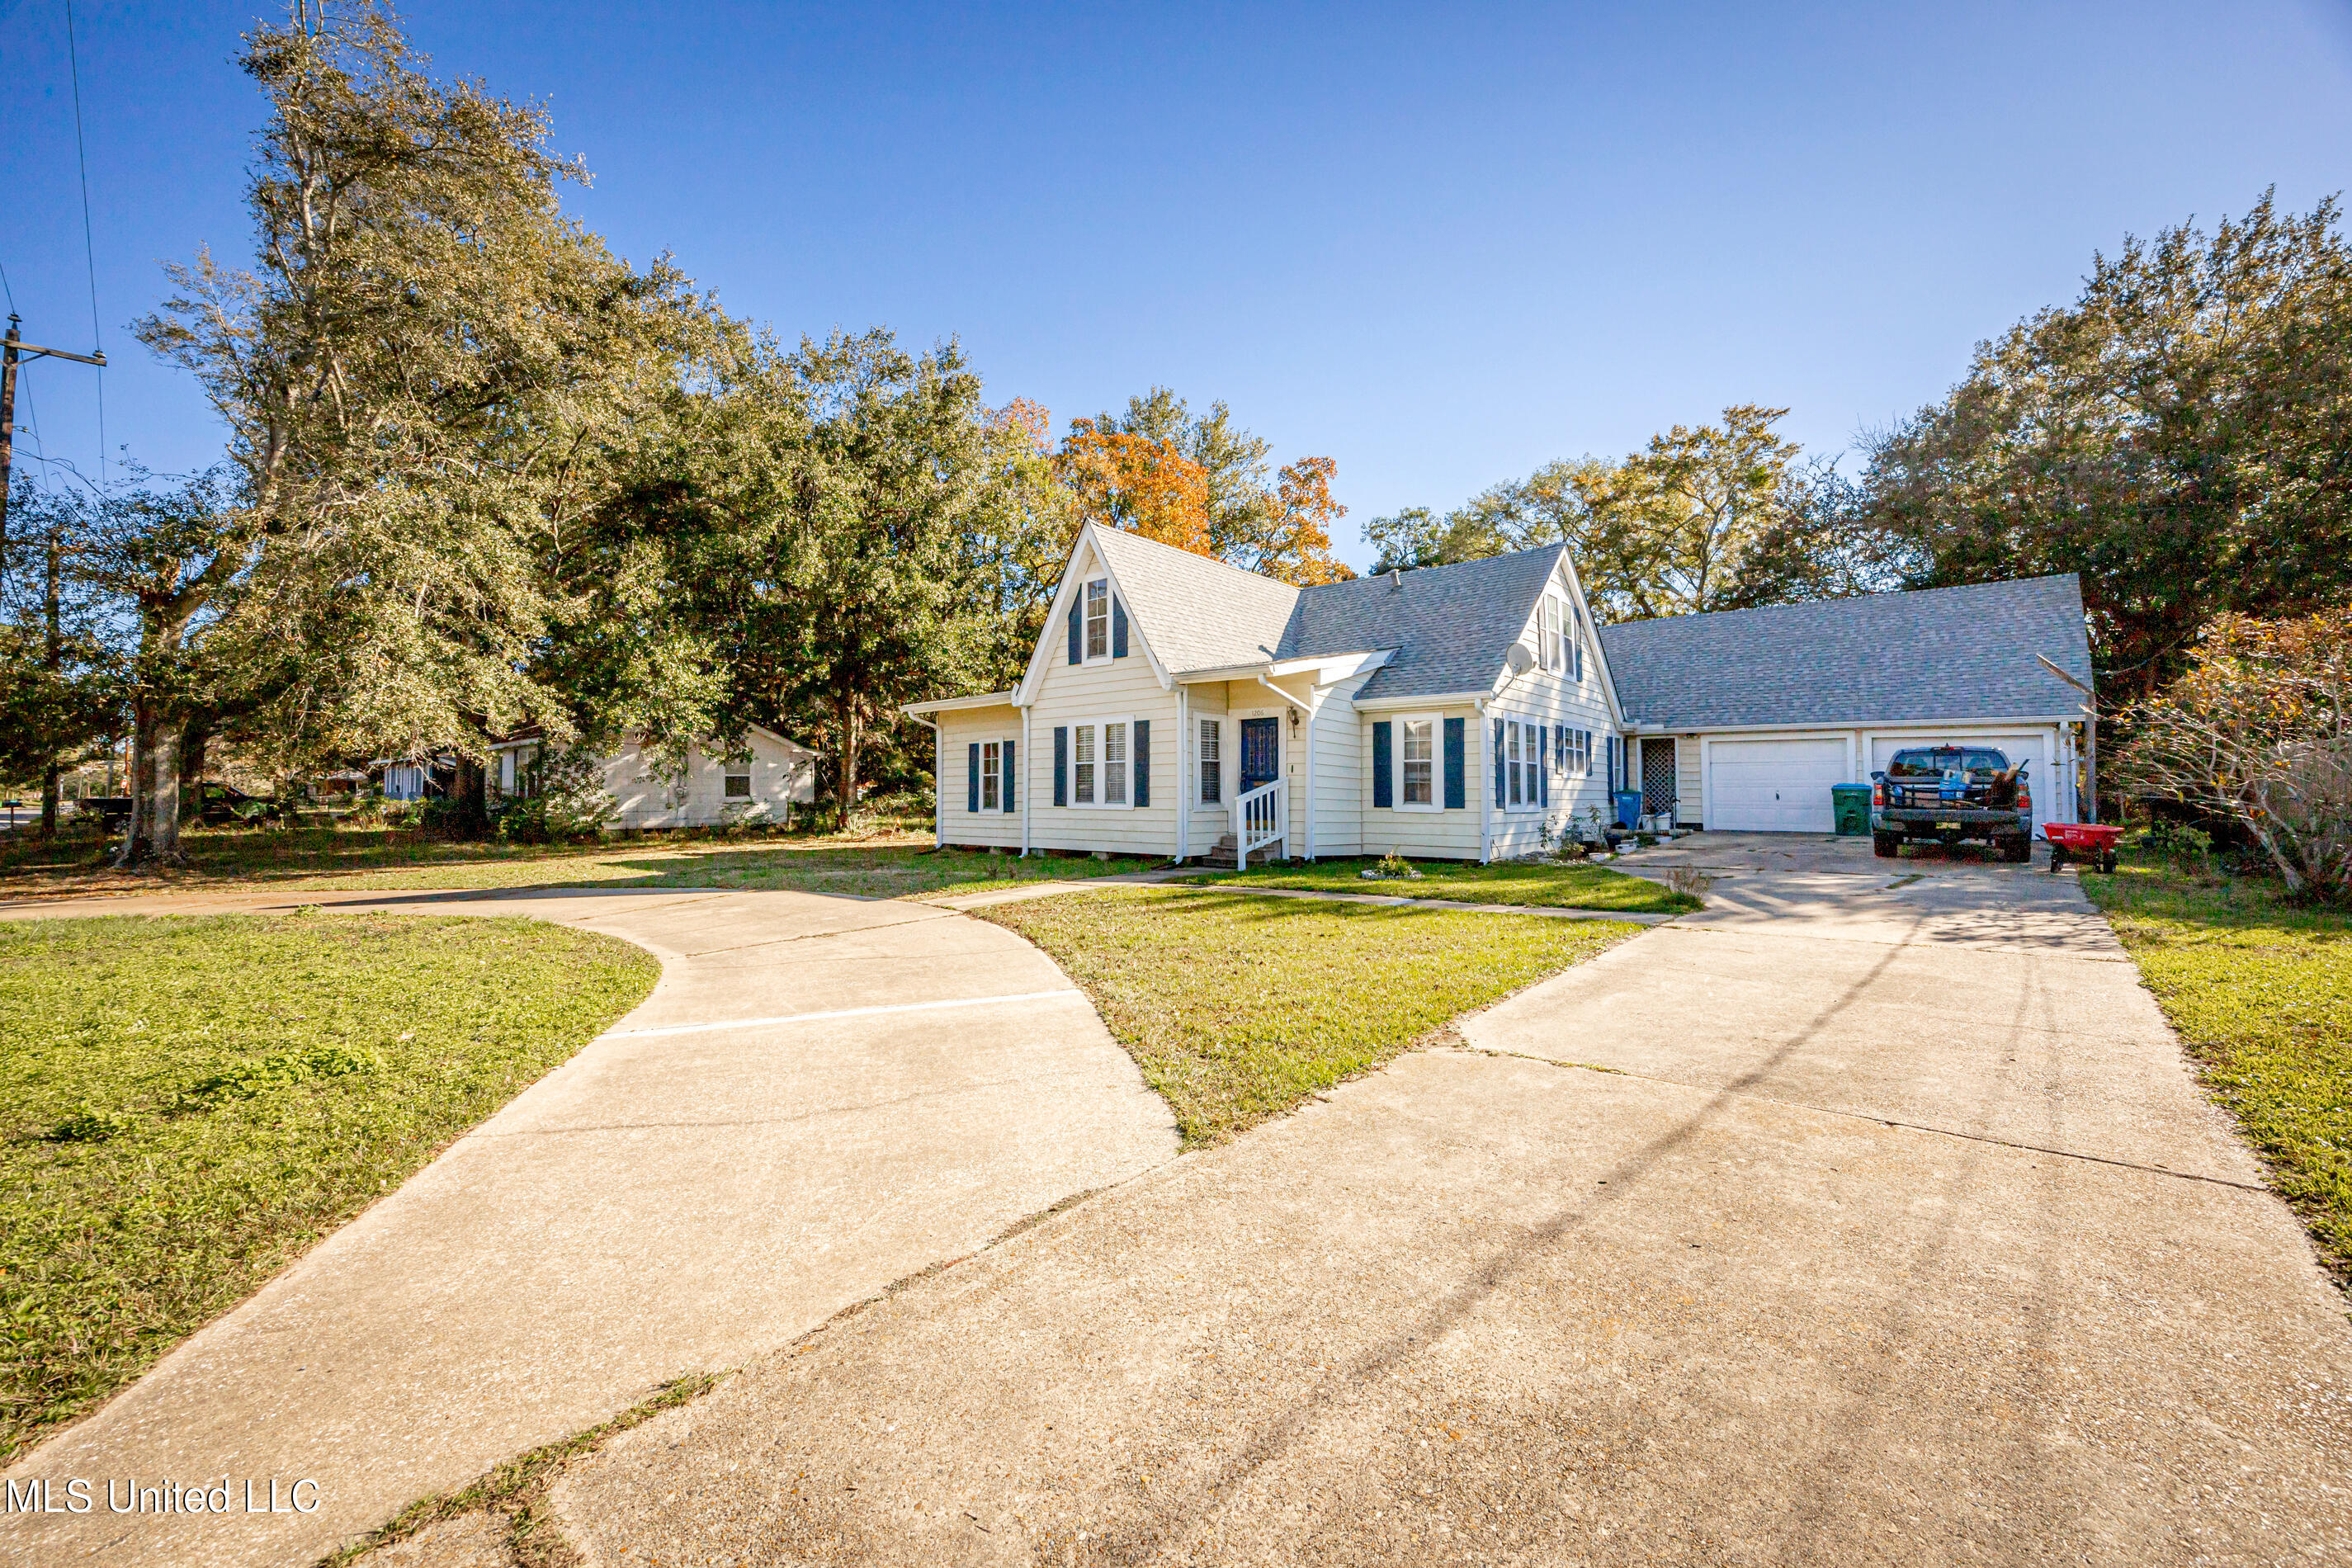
(88, 245)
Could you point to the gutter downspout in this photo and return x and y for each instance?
(1183, 794)
(1290, 701)
(1028, 764)
(939, 797)
(1485, 791)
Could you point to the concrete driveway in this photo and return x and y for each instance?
(1847, 1223)
(820, 1098)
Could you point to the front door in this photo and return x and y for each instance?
(1657, 776)
(1261, 752)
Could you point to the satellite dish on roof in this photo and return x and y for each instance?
(1521, 659)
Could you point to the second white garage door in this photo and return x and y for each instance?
(1772, 786)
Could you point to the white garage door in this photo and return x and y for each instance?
(1772, 786)
(2041, 777)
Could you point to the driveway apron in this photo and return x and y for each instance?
(1871, 1217)
(821, 1097)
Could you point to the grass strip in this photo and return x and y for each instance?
(1548, 884)
(1237, 1007)
(516, 1490)
(191, 1102)
(379, 860)
(2258, 988)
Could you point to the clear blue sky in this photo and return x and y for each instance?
(1440, 244)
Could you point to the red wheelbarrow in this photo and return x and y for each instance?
(2092, 843)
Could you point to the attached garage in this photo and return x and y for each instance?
(1770, 708)
(1773, 785)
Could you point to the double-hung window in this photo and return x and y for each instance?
(1576, 659)
(1099, 618)
(1101, 761)
(1523, 762)
(1418, 756)
(992, 775)
(1082, 765)
(739, 783)
(1212, 764)
(1554, 651)
(1114, 753)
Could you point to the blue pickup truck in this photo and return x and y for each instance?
(1948, 794)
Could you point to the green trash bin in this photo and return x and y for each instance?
(1850, 807)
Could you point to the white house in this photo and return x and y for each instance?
(776, 774)
(1177, 706)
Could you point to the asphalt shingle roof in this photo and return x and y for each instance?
(1940, 653)
(1451, 625)
(1197, 613)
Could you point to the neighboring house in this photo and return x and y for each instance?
(776, 774)
(1177, 706)
(415, 778)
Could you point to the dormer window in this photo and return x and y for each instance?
(1099, 618)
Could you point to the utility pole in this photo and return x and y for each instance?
(13, 349)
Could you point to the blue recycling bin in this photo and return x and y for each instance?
(1629, 809)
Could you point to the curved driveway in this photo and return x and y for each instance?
(821, 1097)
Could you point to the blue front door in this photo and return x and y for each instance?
(1261, 752)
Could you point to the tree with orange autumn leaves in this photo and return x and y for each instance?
(1200, 483)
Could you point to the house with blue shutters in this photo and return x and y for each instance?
(1179, 707)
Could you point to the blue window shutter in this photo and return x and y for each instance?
(1004, 795)
(1077, 655)
(1383, 792)
(1502, 766)
(1543, 775)
(1456, 794)
(1143, 762)
(1061, 764)
(1117, 628)
(972, 777)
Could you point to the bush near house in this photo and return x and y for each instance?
(2260, 730)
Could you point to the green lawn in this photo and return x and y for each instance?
(189, 1103)
(1547, 884)
(891, 864)
(2260, 991)
(1239, 1007)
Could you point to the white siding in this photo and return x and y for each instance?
(1343, 771)
(1551, 698)
(781, 773)
(1210, 823)
(1440, 835)
(959, 729)
(1690, 783)
(1123, 688)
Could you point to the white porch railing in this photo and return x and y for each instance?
(1262, 817)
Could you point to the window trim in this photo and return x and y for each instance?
(1209, 772)
(992, 775)
(1523, 776)
(1087, 624)
(728, 775)
(1070, 780)
(1436, 802)
(1552, 618)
